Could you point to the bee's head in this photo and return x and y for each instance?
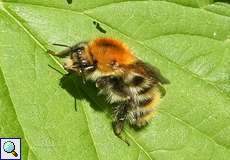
(78, 60)
(74, 60)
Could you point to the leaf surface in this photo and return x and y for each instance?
(188, 40)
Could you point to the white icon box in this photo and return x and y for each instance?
(10, 148)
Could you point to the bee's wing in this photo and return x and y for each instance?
(152, 72)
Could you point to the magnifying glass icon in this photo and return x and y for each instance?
(9, 147)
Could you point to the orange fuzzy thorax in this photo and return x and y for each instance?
(108, 52)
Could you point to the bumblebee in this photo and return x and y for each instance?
(133, 86)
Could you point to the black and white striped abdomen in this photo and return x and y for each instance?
(146, 95)
(144, 110)
(138, 93)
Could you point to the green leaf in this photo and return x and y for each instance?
(10, 126)
(189, 41)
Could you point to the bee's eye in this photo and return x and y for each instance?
(79, 51)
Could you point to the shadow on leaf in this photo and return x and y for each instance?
(74, 86)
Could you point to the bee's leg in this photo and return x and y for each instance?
(120, 114)
(116, 84)
(90, 68)
(118, 128)
(84, 69)
(102, 82)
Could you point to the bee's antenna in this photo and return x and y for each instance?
(82, 75)
(61, 53)
(62, 45)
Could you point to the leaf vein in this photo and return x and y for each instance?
(23, 132)
(90, 132)
(147, 154)
(192, 127)
(166, 58)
